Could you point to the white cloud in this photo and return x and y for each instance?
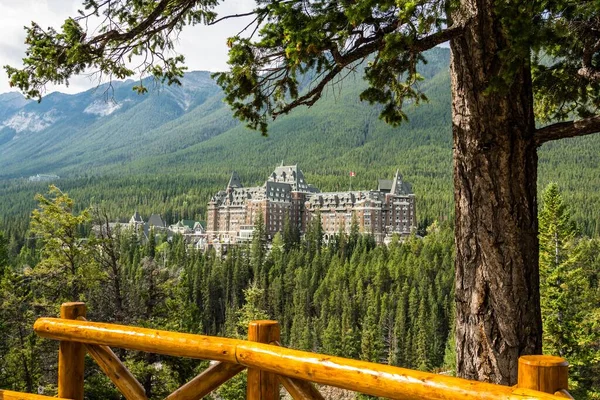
(203, 46)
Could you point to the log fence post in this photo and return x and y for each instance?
(548, 374)
(262, 385)
(71, 357)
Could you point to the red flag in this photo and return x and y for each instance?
(352, 173)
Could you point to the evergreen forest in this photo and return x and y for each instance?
(347, 297)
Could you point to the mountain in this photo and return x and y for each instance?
(111, 127)
(10, 102)
(106, 125)
(170, 149)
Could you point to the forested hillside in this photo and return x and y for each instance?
(108, 125)
(167, 152)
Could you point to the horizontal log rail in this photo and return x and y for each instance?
(299, 389)
(292, 367)
(8, 395)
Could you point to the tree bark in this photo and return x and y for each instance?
(495, 172)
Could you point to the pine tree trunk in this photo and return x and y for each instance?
(495, 173)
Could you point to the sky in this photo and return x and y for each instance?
(203, 46)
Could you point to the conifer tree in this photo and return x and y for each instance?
(150, 250)
(251, 310)
(401, 329)
(561, 276)
(371, 336)
(3, 254)
(332, 337)
(450, 350)
(314, 234)
(423, 335)
(66, 261)
(291, 234)
(259, 245)
(386, 324)
(235, 388)
(585, 365)
(21, 356)
(350, 334)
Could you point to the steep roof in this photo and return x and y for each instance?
(156, 220)
(395, 186)
(292, 175)
(234, 181)
(136, 218)
(384, 185)
(188, 222)
(400, 187)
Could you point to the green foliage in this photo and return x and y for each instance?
(235, 388)
(565, 58)
(321, 39)
(560, 276)
(383, 304)
(251, 310)
(557, 231)
(259, 244)
(20, 354)
(450, 351)
(569, 293)
(175, 174)
(371, 335)
(65, 255)
(4, 260)
(292, 51)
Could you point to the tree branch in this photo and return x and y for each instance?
(114, 34)
(247, 14)
(567, 129)
(429, 42)
(343, 61)
(312, 96)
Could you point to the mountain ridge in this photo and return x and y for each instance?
(187, 134)
(69, 133)
(56, 133)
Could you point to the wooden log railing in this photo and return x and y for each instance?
(9, 395)
(269, 365)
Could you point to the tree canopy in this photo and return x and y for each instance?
(569, 291)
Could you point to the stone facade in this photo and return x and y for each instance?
(233, 212)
